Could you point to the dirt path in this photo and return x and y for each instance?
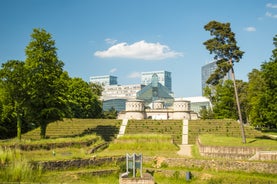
(185, 150)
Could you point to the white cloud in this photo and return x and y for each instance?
(270, 5)
(113, 70)
(250, 29)
(110, 41)
(134, 75)
(139, 50)
(268, 14)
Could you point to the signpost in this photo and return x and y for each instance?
(134, 162)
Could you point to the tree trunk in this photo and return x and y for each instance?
(43, 126)
(18, 121)
(238, 104)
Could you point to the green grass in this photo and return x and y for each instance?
(76, 139)
(164, 176)
(165, 127)
(62, 148)
(14, 167)
(209, 177)
(59, 154)
(75, 178)
(106, 128)
(226, 128)
(147, 144)
(215, 140)
(151, 138)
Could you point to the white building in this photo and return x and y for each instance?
(199, 102)
(121, 91)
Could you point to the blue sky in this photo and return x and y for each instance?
(127, 37)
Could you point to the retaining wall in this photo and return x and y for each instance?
(220, 165)
(67, 164)
(226, 152)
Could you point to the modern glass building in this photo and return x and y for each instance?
(104, 80)
(117, 104)
(164, 77)
(198, 103)
(155, 91)
(206, 72)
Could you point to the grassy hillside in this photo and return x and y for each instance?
(109, 128)
(228, 128)
(148, 144)
(165, 127)
(106, 128)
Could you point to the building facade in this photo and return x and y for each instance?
(104, 80)
(197, 103)
(155, 91)
(206, 72)
(115, 96)
(121, 91)
(135, 109)
(164, 77)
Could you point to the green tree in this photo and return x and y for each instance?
(222, 98)
(83, 103)
(224, 46)
(47, 92)
(110, 114)
(269, 73)
(255, 97)
(97, 89)
(14, 91)
(206, 113)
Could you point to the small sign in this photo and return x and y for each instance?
(134, 162)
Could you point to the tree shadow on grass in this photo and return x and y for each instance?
(107, 132)
(264, 137)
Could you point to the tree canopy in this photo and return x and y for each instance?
(224, 47)
(263, 92)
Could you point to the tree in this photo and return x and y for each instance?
(47, 92)
(14, 85)
(269, 74)
(226, 51)
(83, 103)
(97, 89)
(110, 114)
(255, 96)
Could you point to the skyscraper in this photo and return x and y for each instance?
(104, 80)
(164, 77)
(206, 72)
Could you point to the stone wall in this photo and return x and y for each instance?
(226, 152)
(220, 165)
(77, 163)
(146, 179)
(265, 155)
(217, 165)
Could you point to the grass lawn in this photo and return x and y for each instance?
(214, 140)
(147, 144)
(63, 148)
(59, 154)
(164, 176)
